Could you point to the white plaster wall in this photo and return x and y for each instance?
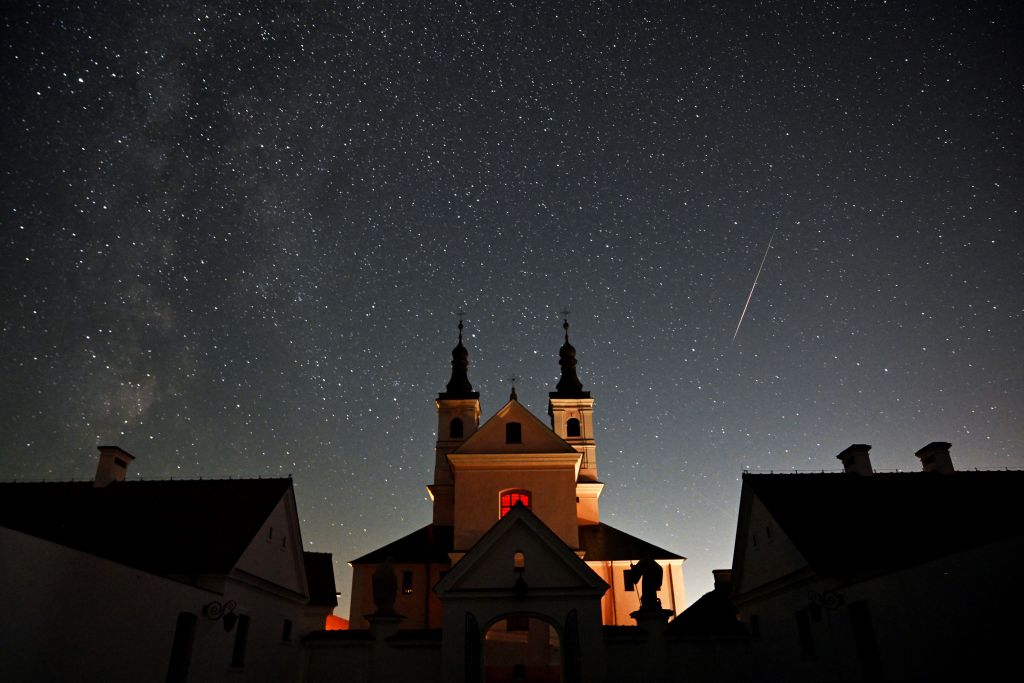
(72, 616)
(949, 619)
(277, 556)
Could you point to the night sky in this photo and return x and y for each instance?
(235, 240)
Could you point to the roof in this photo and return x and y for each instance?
(603, 542)
(847, 523)
(713, 615)
(433, 542)
(169, 527)
(320, 578)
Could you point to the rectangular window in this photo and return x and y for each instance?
(803, 627)
(181, 649)
(241, 640)
(407, 582)
(513, 432)
(864, 637)
(286, 631)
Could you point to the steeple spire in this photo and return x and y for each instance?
(458, 386)
(569, 384)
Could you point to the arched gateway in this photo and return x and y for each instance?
(521, 606)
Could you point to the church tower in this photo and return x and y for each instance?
(458, 416)
(572, 418)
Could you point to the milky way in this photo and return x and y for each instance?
(235, 237)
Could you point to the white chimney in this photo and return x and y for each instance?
(856, 459)
(113, 465)
(935, 458)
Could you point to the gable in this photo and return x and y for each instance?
(764, 552)
(536, 437)
(549, 564)
(274, 554)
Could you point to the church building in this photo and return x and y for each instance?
(516, 550)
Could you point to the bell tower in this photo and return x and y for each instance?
(458, 416)
(572, 418)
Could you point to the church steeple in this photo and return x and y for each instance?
(572, 418)
(569, 384)
(458, 386)
(458, 416)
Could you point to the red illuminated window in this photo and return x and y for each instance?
(511, 498)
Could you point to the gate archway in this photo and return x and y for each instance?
(522, 649)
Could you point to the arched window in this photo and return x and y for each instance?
(455, 428)
(510, 499)
(572, 427)
(513, 432)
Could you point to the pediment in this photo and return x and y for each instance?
(549, 565)
(536, 437)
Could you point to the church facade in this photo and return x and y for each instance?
(516, 571)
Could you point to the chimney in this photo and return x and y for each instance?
(113, 465)
(723, 580)
(856, 459)
(935, 458)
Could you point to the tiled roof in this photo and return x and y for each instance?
(320, 578)
(845, 523)
(602, 542)
(713, 615)
(432, 544)
(169, 527)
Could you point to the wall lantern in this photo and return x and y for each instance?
(223, 612)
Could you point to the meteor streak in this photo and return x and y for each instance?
(751, 295)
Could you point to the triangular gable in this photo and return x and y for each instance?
(750, 569)
(537, 437)
(275, 553)
(549, 564)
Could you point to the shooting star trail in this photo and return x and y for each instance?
(753, 286)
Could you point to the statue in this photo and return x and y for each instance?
(385, 588)
(651, 573)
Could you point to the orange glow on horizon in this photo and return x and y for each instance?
(335, 623)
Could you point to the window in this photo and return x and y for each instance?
(513, 432)
(241, 638)
(455, 428)
(407, 582)
(864, 637)
(510, 499)
(519, 561)
(181, 649)
(572, 427)
(803, 627)
(286, 631)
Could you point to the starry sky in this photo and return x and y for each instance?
(235, 238)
